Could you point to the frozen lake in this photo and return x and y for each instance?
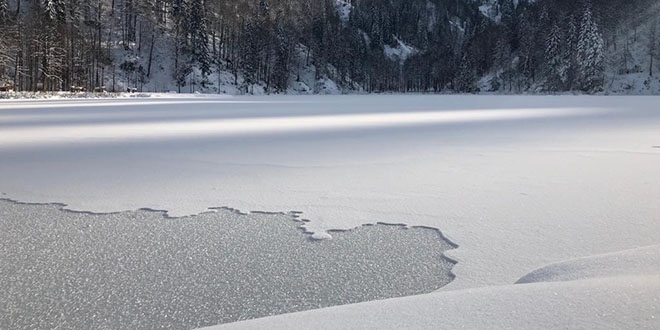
(142, 270)
(518, 182)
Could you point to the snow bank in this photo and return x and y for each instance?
(621, 293)
(635, 262)
(619, 303)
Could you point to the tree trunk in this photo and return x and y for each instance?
(151, 54)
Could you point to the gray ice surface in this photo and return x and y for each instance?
(144, 270)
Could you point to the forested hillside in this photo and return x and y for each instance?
(317, 46)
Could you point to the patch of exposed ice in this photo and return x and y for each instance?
(144, 270)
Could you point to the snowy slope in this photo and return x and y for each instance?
(638, 262)
(621, 292)
(631, 76)
(400, 53)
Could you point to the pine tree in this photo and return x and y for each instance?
(467, 75)
(196, 28)
(54, 10)
(527, 50)
(570, 56)
(556, 68)
(249, 51)
(502, 59)
(4, 10)
(590, 56)
(509, 21)
(6, 44)
(281, 67)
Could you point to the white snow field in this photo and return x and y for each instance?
(518, 182)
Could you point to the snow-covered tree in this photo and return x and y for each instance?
(467, 76)
(197, 30)
(4, 9)
(83, 42)
(55, 9)
(590, 56)
(556, 67)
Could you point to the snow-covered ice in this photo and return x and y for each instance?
(518, 182)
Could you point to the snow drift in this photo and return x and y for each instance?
(613, 291)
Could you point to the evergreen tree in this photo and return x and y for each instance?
(7, 46)
(249, 58)
(509, 22)
(572, 38)
(557, 43)
(196, 29)
(527, 50)
(502, 58)
(181, 66)
(467, 76)
(4, 10)
(280, 74)
(590, 57)
(55, 10)
(556, 68)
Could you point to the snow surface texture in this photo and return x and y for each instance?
(141, 270)
(643, 261)
(611, 295)
(517, 182)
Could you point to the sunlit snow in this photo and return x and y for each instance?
(518, 182)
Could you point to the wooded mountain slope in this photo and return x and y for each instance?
(307, 46)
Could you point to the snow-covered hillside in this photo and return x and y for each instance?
(331, 46)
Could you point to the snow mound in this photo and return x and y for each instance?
(636, 262)
(321, 236)
(299, 88)
(326, 86)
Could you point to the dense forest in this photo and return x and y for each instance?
(359, 45)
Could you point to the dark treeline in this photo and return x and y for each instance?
(550, 45)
